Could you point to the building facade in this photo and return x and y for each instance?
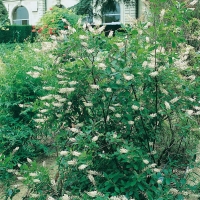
(24, 12)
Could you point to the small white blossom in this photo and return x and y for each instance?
(112, 108)
(144, 64)
(34, 195)
(148, 24)
(83, 166)
(162, 13)
(37, 68)
(64, 153)
(118, 82)
(84, 44)
(94, 86)
(174, 100)
(123, 150)
(34, 74)
(153, 74)
(66, 90)
(15, 149)
(66, 197)
(102, 66)
(72, 162)
(83, 37)
(48, 88)
(75, 130)
(84, 26)
(185, 193)
(43, 110)
(76, 153)
(62, 100)
(164, 91)
(57, 104)
(191, 77)
(150, 143)
(90, 51)
(173, 191)
(62, 82)
(167, 105)
(20, 178)
(189, 112)
(33, 174)
(193, 2)
(146, 162)
(88, 104)
(72, 139)
(120, 45)
(29, 160)
(40, 120)
(65, 21)
(159, 181)
(73, 82)
(110, 34)
(152, 165)
(156, 170)
(128, 77)
(10, 170)
(147, 39)
(95, 138)
(101, 29)
(50, 198)
(48, 97)
(92, 193)
(69, 103)
(108, 90)
(91, 178)
(130, 122)
(134, 107)
(153, 115)
(117, 115)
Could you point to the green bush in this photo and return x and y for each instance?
(16, 33)
(17, 96)
(3, 15)
(56, 19)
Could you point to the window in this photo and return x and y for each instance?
(20, 16)
(111, 16)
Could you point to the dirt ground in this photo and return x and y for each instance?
(52, 167)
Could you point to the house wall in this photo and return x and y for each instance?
(36, 8)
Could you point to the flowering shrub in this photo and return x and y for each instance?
(123, 111)
(56, 19)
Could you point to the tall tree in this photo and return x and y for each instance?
(3, 15)
(86, 6)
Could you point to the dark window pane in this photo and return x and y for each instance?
(111, 18)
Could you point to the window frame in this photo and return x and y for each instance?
(112, 14)
(20, 21)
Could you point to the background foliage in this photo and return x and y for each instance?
(3, 15)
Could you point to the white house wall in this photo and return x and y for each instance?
(36, 8)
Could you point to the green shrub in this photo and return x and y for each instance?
(55, 20)
(3, 15)
(16, 33)
(122, 112)
(17, 96)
